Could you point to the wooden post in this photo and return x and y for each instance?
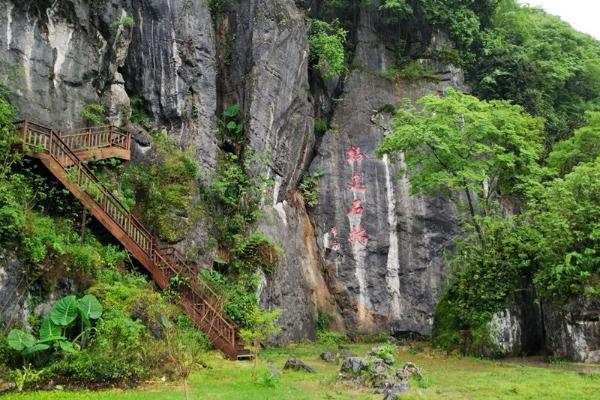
(83, 223)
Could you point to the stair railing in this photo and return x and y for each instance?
(40, 137)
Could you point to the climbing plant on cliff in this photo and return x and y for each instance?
(166, 188)
(326, 42)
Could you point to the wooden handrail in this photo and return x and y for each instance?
(169, 261)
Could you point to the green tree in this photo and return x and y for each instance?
(566, 213)
(584, 146)
(262, 326)
(460, 143)
(539, 62)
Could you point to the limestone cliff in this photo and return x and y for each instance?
(369, 254)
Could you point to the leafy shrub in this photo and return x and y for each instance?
(255, 251)
(412, 71)
(123, 22)
(93, 114)
(309, 187)
(326, 42)
(166, 188)
(331, 338)
(321, 126)
(323, 322)
(138, 113)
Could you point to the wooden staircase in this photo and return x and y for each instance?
(64, 154)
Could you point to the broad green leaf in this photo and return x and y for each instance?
(19, 340)
(231, 125)
(35, 348)
(90, 307)
(232, 111)
(49, 330)
(65, 311)
(67, 346)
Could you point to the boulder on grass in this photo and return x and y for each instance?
(354, 365)
(297, 365)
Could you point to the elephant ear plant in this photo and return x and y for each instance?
(59, 326)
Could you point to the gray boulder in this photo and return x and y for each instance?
(329, 357)
(297, 365)
(396, 391)
(354, 365)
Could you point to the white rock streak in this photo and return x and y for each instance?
(392, 276)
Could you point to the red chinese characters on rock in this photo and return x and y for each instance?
(357, 207)
(355, 155)
(356, 185)
(358, 236)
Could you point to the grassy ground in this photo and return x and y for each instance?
(446, 378)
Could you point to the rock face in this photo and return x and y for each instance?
(13, 292)
(384, 245)
(370, 255)
(573, 331)
(68, 54)
(517, 330)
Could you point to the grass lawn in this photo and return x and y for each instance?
(445, 378)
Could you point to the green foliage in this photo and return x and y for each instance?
(323, 322)
(138, 112)
(458, 142)
(123, 22)
(395, 11)
(93, 114)
(238, 293)
(565, 214)
(411, 71)
(97, 6)
(539, 62)
(584, 146)
(326, 42)
(331, 339)
(166, 188)
(254, 251)
(309, 187)
(231, 128)
(321, 126)
(261, 327)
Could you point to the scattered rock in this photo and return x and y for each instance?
(377, 366)
(297, 365)
(408, 371)
(329, 357)
(354, 365)
(382, 353)
(396, 391)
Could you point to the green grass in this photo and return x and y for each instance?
(447, 377)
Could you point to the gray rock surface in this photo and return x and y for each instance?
(13, 292)
(517, 330)
(573, 331)
(384, 246)
(270, 76)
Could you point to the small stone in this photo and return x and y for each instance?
(408, 371)
(396, 391)
(328, 357)
(354, 365)
(297, 365)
